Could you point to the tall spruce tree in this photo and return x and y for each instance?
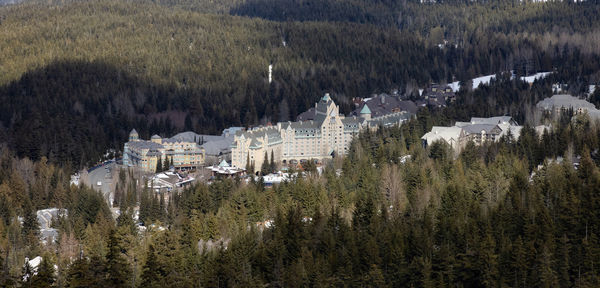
(31, 227)
(273, 166)
(153, 272)
(45, 274)
(248, 164)
(118, 270)
(264, 168)
(159, 165)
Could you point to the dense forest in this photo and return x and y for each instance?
(490, 218)
(72, 89)
(76, 76)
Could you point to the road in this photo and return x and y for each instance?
(104, 175)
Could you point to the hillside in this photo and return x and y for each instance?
(189, 70)
(211, 68)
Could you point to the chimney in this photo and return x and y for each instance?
(382, 98)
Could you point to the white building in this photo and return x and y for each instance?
(478, 130)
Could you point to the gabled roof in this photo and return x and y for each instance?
(564, 101)
(445, 133)
(384, 104)
(255, 144)
(491, 120)
(223, 164)
(133, 131)
(477, 128)
(155, 137)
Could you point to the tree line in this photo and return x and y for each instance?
(489, 218)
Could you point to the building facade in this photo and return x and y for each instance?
(558, 104)
(145, 154)
(327, 134)
(478, 130)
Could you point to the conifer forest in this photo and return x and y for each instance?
(77, 76)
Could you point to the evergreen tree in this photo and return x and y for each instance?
(248, 164)
(26, 274)
(159, 165)
(167, 163)
(153, 272)
(80, 275)
(145, 206)
(45, 274)
(30, 229)
(118, 270)
(125, 219)
(273, 165)
(264, 168)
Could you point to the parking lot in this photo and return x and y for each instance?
(103, 176)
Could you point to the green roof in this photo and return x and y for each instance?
(326, 97)
(365, 110)
(223, 164)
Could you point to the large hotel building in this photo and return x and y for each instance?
(323, 135)
(184, 153)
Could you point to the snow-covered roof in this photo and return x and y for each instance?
(564, 101)
(447, 134)
(225, 170)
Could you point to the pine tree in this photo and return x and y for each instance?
(125, 219)
(26, 274)
(30, 229)
(79, 275)
(375, 277)
(145, 205)
(166, 163)
(162, 207)
(273, 166)
(264, 168)
(248, 165)
(159, 165)
(155, 205)
(118, 271)
(45, 274)
(153, 272)
(563, 262)
(488, 260)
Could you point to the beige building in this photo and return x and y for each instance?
(562, 103)
(326, 135)
(145, 154)
(478, 130)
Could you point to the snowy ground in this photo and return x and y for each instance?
(487, 78)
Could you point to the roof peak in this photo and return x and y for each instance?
(133, 131)
(223, 163)
(365, 110)
(326, 97)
